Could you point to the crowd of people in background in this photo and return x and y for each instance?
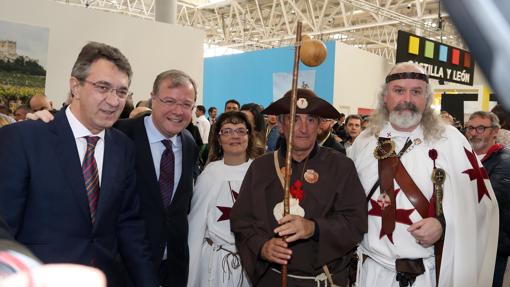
(343, 130)
(200, 212)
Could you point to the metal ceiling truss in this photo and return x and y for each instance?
(139, 8)
(260, 24)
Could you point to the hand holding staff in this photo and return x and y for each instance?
(314, 53)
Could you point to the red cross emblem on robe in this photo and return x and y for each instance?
(401, 215)
(225, 210)
(477, 173)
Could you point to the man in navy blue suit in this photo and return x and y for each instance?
(67, 188)
(165, 206)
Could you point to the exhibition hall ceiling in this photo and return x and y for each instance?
(247, 25)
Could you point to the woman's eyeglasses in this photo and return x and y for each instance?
(230, 132)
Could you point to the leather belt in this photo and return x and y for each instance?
(386, 175)
(390, 168)
(411, 190)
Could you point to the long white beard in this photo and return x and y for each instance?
(405, 119)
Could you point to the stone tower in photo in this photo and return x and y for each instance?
(8, 50)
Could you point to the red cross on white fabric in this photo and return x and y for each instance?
(225, 210)
(401, 215)
(477, 173)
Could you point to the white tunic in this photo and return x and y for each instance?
(215, 263)
(204, 126)
(471, 225)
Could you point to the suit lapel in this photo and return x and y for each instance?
(67, 154)
(186, 163)
(145, 163)
(111, 163)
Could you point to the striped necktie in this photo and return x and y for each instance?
(91, 176)
(166, 173)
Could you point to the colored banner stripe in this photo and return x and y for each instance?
(467, 60)
(429, 49)
(443, 53)
(442, 62)
(455, 56)
(414, 45)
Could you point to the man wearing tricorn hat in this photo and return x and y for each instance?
(424, 186)
(327, 207)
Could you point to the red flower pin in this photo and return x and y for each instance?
(296, 191)
(433, 155)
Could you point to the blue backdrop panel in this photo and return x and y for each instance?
(248, 77)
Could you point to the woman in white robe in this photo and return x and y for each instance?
(214, 260)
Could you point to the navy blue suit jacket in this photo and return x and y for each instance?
(43, 200)
(168, 225)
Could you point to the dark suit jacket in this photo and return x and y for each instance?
(43, 200)
(4, 231)
(7, 242)
(332, 143)
(164, 225)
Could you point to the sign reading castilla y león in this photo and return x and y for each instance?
(441, 61)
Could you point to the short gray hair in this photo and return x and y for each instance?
(94, 51)
(178, 78)
(486, 115)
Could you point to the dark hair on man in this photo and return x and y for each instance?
(342, 115)
(353, 116)
(232, 101)
(144, 103)
(25, 107)
(178, 79)
(201, 108)
(94, 51)
(503, 116)
(5, 110)
(257, 116)
(128, 108)
(211, 109)
(234, 117)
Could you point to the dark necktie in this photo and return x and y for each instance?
(166, 173)
(91, 176)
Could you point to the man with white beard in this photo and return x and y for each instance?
(411, 214)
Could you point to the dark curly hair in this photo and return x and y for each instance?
(234, 117)
(503, 115)
(258, 118)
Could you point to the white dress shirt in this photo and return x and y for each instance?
(80, 132)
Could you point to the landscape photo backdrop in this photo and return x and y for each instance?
(23, 59)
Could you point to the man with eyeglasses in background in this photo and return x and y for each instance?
(67, 188)
(166, 157)
(327, 138)
(481, 132)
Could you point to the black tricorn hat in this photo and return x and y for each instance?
(307, 103)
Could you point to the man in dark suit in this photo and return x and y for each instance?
(4, 231)
(67, 188)
(166, 186)
(327, 138)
